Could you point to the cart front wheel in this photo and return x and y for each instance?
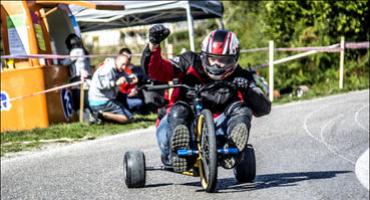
(208, 151)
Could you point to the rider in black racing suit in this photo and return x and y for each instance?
(232, 107)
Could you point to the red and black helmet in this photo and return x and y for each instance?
(220, 54)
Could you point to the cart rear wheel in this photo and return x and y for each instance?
(134, 169)
(208, 151)
(245, 171)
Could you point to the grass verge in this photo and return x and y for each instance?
(16, 141)
(322, 90)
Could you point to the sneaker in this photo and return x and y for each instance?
(165, 160)
(96, 118)
(179, 140)
(227, 161)
(95, 121)
(239, 136)
(100, 115)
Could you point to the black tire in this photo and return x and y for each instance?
(134, 169)
(245, 171)
(208, 150)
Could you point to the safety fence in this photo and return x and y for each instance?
(336, 48)
(82, 84)
(47, 91)
(332, 48)
(56, 56)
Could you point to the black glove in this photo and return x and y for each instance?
(218, 93)
(241, 82)
(158, 33)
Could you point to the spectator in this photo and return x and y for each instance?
(104, 87)
(129, 93)
(79, 67)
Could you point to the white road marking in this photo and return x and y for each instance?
(317, 139)
(362, 169)
(306, 119)
(356, 118)
(326, 144)
(327, 124)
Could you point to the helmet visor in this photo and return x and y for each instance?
(218, 66)
(221, 61)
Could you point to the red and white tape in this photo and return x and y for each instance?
(56, 56)
(331, 48)
(46, 91)
(348, 45)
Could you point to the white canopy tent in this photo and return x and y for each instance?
(147, 12)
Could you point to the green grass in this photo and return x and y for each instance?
(311, 95)
(330, 87)
(15, 141)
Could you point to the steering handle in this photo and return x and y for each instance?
(151, 87)
(165, 86)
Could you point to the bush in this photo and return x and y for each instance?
(298, 24)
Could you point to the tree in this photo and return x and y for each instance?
(302, 23)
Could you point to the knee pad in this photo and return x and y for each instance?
(236, 113)
(180, 113)
(238, 108)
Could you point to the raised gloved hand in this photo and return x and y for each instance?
(158, 33)
(241, 82)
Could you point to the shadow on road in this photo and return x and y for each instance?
(158, 185)
(229, 185)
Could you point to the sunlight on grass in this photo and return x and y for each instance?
(15, 141)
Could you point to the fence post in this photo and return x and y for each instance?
(271, 70)
(341, 63)
(82, 98)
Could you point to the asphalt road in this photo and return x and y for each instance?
(305, 150)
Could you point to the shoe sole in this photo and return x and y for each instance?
(228, 162)
(239, 136)
(180, 140)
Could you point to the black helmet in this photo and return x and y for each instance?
(73, 41)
